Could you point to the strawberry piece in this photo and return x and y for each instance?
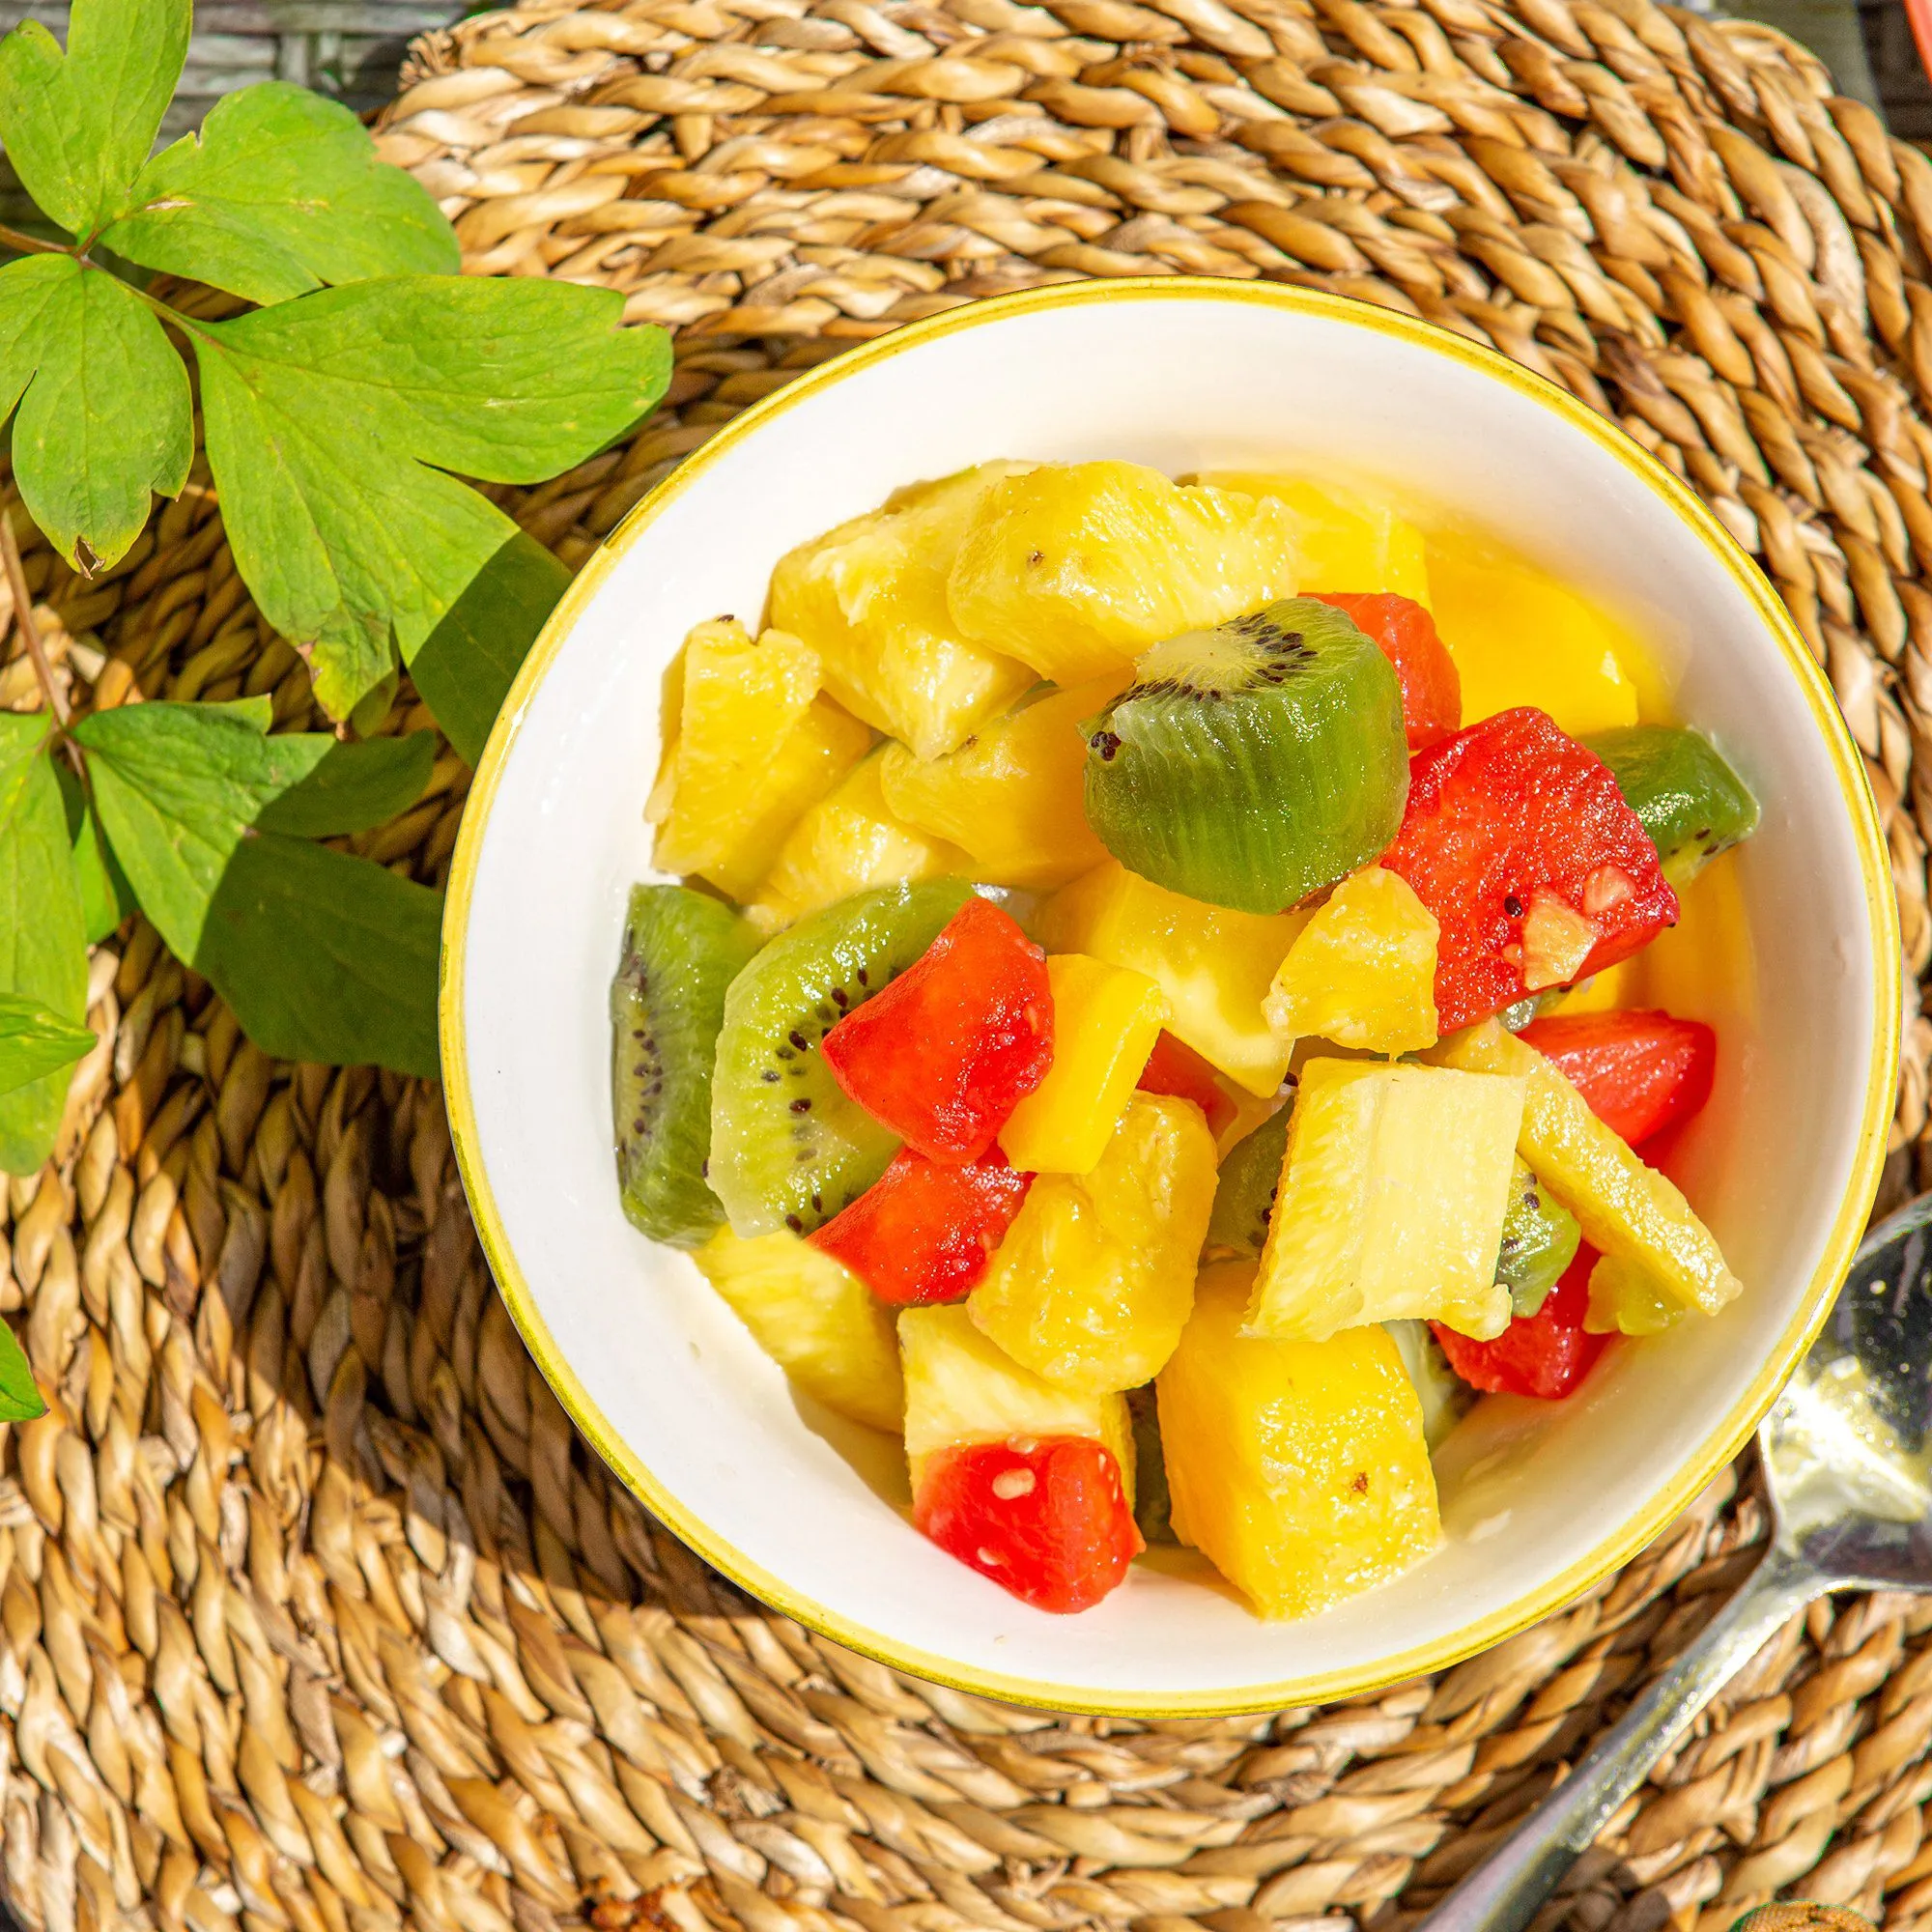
(1431, 693)
(1518, 840)
(1174, 1068)
(923, 1232)
(1544, 1354)
(947, 1051)
(1047, 1519)
(1640, 1071)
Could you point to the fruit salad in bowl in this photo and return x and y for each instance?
(1123, 1032)
(1168, 998)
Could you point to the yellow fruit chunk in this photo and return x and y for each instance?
(961, 1388)
(815, 1317)
(1627, 1300)
(870, 598)
(1519, 636)
(1362, 972)
(753, 747)
(1623, 1208)
(1214, 965)
(1105, 1022)
(1344, 540)
(1078, 567)
(1094, 1281)
(1391, 1202)
(1014, 795)
(1298, 1468)
(849, 841)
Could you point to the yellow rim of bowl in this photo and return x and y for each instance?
(1718, 1446)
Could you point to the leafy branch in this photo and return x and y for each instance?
(340, 411)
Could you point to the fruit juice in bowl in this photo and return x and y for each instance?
(1177, 994)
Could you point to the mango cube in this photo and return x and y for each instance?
(815, 1317)
(1627, 1300)
(870, 597)
(1012, 796)
(961, 1388)
(1214, 965)
(1091, 1285)
(752, 746)
(848, 841)
(1105, 1022)
(1362, 972)
(1076, 568)
(1297, 1468)
(1520, 636)
(1344, 540)
(1626, 1208)
(1391, 1202)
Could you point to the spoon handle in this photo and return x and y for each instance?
(1504, 1892)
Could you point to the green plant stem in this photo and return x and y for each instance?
(11, 238)
(24, 616)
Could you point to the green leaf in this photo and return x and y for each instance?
(280, 192)
(326, 957)
(104, 416)
(465, 667)
(322, 956)
(324, 416)
(35, 1041)
(20, 1398)
(348, 787)
(107, 897)
(77, 127)
(43, 941)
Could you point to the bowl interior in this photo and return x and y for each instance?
(1537, 1499)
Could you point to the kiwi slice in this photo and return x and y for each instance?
(1154, 1506)
(1244, 1197)
(681, 950)
(1255, 763)
(789, 1148)
(1540, 1237)
(1445, 1397)
(1690, 801)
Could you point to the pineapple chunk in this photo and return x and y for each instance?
(1297, 1468)
(961, 1388)
(870, 598)
(1362, 973)
(1519, 636)
(1105, 1022)
(1391, 1204)
(815, 1317)
(848, 841)
(1623, 1208)
(1013, 794)
(1214, 965)
(1627, 1300)
(1345, 541)
(753, 747)
(1078, 567)
(1091, 1286)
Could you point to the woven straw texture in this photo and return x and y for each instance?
(315, 1616)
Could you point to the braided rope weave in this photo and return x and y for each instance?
(315, 1615)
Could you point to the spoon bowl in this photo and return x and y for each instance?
(1847, 1456)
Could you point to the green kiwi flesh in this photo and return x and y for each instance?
(1444, 1396)
(1244, 1195)
(1540, 1240)
(1690, 801)
(681, 950)
(789, 1148)
(1154, 1506)
(1255, 763)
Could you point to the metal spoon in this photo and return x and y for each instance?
(1847, 1452)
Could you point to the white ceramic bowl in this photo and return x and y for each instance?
(1539, 1500)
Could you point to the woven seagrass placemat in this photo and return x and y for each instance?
(315, 1616)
